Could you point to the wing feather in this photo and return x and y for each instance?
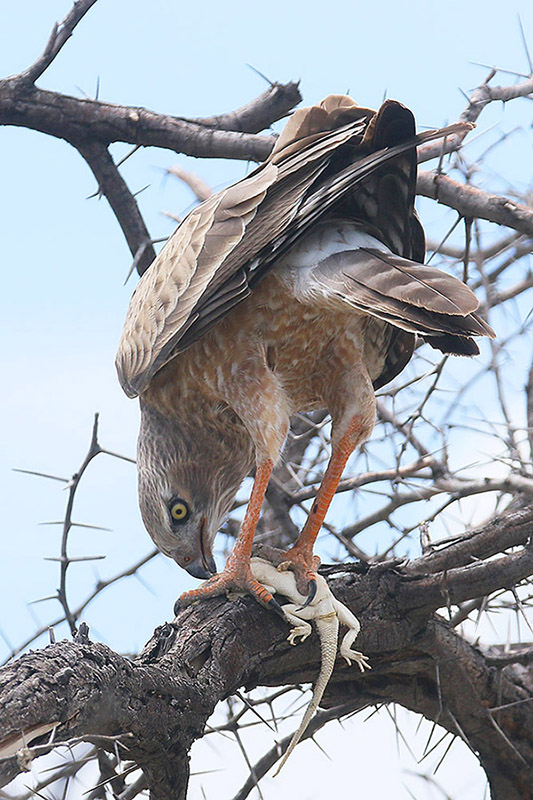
(410, 296)
(161, 306)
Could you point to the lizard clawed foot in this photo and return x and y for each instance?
(302, 631)
(355, 657)
(233, 580)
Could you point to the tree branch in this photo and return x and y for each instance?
(472, 202)
(529, 410)
(59, 36)
(261, 767)
(464, 583)
(508, 530)
(77, 119)
(478, 100)
(215, 648)
(122, 201)
(258, 114)
(448, 681)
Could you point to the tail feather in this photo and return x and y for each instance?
(410, 296)
(453, 345)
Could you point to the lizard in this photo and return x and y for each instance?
(327, 613)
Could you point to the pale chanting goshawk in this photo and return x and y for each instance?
(299, 287)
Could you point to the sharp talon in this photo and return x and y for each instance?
(188, 598)
(275, 606)
(311, 592)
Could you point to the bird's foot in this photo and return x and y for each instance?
(234, 579)
(298, 559)
(304, 565)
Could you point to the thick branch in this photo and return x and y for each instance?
(76, 119)
(502, 532)
(90, 689)
(90, 126)
(472, 202)
(477, 580)
(164, 698)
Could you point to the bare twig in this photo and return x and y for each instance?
(478, 100)
(76, 612)
(200, 188)
(529, 410)
(61, 33)
(94, 449)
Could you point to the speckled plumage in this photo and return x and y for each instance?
(291, 290)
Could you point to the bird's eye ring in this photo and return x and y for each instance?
(179, 511)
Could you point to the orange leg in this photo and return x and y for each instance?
(300, 556)
(237, 575)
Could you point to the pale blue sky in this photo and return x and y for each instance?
(64, 257)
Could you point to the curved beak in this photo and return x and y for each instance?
(199, 569)
(205, 565)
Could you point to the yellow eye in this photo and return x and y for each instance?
(179, 510)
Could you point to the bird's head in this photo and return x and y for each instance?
(187, 484)
(182, 523)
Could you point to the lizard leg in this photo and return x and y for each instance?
(353, 656)
(346, 617)
(301, 629)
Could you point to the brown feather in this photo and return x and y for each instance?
(410, 296)
(164, 300)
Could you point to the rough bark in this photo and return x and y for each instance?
(77, 119)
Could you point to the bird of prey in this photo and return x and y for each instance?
(299, 287)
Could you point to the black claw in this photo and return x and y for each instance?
(275, 606)
(311, 592)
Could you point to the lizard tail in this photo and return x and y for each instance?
(328, 631)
